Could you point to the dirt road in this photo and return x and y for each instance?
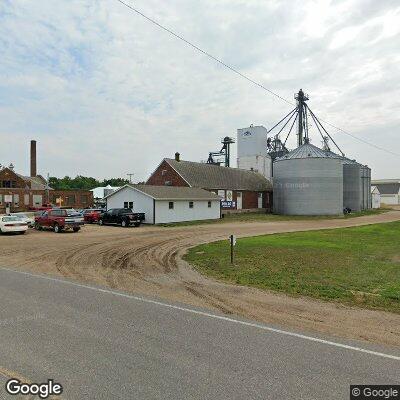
(147, 260)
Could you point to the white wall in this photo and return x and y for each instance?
(392, 199)
(252, 141)
(141, 202)
(376, 200)
(260, 164)
(182, 212)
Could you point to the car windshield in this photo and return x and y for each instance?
(11, 218)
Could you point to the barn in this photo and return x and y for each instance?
(166, 204)
(239, 189)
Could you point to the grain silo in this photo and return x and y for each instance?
(308, 181)
(314, 181)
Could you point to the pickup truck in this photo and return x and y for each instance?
(58, 220)
(92, 215)
(121, 216)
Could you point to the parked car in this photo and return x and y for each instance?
(59, 220)
(30, 221)
(12, 223)
(91, 216)
(121, 216)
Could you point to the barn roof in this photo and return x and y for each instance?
(211, 176)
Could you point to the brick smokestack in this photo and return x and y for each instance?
(33, 158)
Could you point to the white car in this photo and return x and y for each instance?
(12, 223)
(25, 218)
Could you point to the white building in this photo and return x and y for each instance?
(388, 189)
(166, 204)
(102, 191)
(376, 197)
(252, 150)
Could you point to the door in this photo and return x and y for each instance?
(44, 219)
(239, 200)
(107, 216)
(260, 200)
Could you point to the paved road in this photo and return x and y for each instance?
(148, 261)
(102, 344)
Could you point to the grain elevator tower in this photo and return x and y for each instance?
(252, 151)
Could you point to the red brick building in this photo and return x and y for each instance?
(239, 189)
(21, 193)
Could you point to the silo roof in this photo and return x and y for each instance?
(308, 150)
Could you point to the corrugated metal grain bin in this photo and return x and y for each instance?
(308, 181)
(352, 187)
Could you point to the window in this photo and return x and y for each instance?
(84, 198)
(16, 200)
(70, 200)
(131, 205)
(168, 183)
(128, 204)
(190, 204)
(163, 172)
(1, 199)
(209, 204)
(171, 205)
(125, 204)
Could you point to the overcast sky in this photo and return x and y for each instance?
(106, 93)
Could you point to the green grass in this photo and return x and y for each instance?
(357, 266)
(263, 217)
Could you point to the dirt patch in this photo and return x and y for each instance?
(148, 260)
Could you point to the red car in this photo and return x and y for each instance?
(91, 216)
(59, 220)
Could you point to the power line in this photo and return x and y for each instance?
(204, 52)
(243, 75)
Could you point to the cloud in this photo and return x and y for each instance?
(106, 93)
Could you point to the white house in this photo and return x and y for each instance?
(389, 190)
(166, 204)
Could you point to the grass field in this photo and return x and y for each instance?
(263, 217)
(358, 266)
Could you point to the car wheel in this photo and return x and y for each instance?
(100, 222)
(22, 233)
(76, 229)
(123, 223)
(38, 227)
(57, 228)
(136, 224)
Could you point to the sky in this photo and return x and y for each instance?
(106, 93)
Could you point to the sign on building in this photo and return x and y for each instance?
(228, 204)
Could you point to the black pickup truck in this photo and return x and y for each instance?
(121, 216)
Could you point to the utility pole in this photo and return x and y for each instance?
(130, 177)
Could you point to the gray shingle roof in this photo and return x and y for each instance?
(210, 176)
(388, 188)
(172, 192)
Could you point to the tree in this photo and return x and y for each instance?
(83, 182)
